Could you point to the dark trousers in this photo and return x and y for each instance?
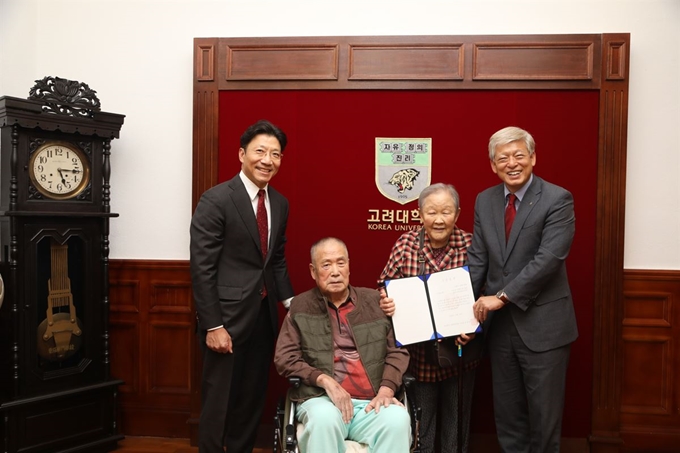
(528, 389)
(439, 404)
(234, 388)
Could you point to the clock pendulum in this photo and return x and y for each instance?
(59, 334)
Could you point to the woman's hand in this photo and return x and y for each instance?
(464, 339)
(386, 303)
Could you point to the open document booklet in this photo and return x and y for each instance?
(432, 306)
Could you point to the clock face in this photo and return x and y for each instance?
(59, 170)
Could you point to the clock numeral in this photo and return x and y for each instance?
(43, 178)
(40, 168)
(63, 186)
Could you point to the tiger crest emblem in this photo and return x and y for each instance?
(403, 167)
(403, 179)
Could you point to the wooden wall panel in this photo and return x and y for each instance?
(170, 297)
(648, 392)
(311, 62)
(537, 61)
(124, 347)
(170, 354)
(650, 383)
(408, 62)
(153, 345)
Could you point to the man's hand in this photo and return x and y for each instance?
(386, 303)
(484, 305)
(339, 396)
(385, 397)
(219, 340)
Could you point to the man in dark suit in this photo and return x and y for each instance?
(522, 280)
(238, 273)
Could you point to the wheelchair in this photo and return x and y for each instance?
(287, 428)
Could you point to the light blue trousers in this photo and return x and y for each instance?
(385, 432)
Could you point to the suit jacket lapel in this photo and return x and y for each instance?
(531, 197)
(498, 212)
(275, 205)
(244, 207)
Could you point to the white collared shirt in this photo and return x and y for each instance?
(252, 190)
(520, 193)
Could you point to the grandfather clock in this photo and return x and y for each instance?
(56, 393)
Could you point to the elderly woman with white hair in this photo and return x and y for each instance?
(442, 245)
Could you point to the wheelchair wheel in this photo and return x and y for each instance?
(285, 440)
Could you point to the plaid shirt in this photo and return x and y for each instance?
(403, 262)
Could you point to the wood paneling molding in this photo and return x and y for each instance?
(171, 357)
(205, 63)
(650, 309)
(170, 297)
(533, 61)
(125, 343)
(126, 292)
(408, 62)
(616, 60)
(647, 367)
(282, 63)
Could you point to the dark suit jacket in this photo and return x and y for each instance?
(226, 259)
(531, 267)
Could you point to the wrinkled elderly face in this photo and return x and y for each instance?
(330, 269)
(513, 164)
(261, 159)
(439, 213)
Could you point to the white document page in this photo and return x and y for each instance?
(412, 322)
(452, 298)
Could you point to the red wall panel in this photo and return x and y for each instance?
(328, 175)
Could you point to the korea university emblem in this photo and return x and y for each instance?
(402, 167)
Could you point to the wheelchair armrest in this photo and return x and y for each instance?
(408, 379)
(295, 381)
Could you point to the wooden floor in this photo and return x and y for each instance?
(478, 444)
(162, 445)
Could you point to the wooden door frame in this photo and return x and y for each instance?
(466, 62)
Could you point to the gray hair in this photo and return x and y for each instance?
(508, 135)
(439, 187)
(324, 241)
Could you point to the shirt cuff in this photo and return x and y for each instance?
(286, 303)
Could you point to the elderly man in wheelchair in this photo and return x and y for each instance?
(340, 344)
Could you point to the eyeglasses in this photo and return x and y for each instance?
(274, 155)
(504, 159)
